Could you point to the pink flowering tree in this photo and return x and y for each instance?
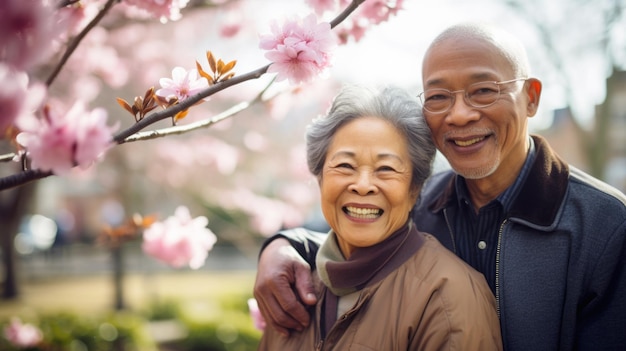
(51, 124)
(22, 335)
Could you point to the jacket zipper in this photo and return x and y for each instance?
(319, 345)
(445, 215)
(498, 267)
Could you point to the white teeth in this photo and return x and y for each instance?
(468, 142)
(363, 212)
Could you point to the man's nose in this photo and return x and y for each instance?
(461, 112)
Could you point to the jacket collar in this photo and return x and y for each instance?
(540, 197)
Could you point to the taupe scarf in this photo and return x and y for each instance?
(366, 265)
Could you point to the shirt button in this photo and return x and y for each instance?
(482, 245)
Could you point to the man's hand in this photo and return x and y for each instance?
(281, 268)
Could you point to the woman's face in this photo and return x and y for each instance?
(365, 184)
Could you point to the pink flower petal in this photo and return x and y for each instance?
(179, 240)
(300, 49)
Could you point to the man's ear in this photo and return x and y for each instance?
(534, 94)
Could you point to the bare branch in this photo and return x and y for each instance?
(7, 157)
(22, 178)
(74, 44)
(346, 12)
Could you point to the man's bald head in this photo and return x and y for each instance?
(506, 44)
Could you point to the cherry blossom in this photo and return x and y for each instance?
(16, 98)
(378, 11)
(28, 30)
(255, 313)
(322, 6)
(163, 9)
(179, 240)
(300, 50)
(22, 335)
(182, 85)
(58, 142)
(230, 29)
(369, 14)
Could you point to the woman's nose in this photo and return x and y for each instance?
(363, 184)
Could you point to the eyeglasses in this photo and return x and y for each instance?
(479, 95)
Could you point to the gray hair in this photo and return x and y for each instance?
(392, 104)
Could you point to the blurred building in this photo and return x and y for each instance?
(564, 134)
(616, 167)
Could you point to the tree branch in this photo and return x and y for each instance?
(187, 103)
(130, 134)
(74, 44)
(22, 178)
(346, 12)
(159, 133)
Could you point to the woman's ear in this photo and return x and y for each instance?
(534, 94)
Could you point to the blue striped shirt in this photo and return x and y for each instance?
(476, 234)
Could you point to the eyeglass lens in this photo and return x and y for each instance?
(480, 94)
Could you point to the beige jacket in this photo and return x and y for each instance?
(433, 301)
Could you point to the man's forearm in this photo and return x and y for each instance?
(305, 241)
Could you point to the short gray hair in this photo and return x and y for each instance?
(393, 105)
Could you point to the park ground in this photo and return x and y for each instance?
(86, 294)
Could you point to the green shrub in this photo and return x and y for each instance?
(67, 331)
(158, 310)
(222, 324)
(233, 331)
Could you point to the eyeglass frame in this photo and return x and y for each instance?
(465, 96)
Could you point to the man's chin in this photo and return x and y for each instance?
(476, 172)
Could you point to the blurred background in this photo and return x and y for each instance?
(247, 173)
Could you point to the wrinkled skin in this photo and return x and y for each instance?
(280, 269)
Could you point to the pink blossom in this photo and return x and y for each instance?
(179, 240)
(17, 100)
(229, 30)
(369, 14)
(354, 29)
(378, 11)
(321, 6)
(255, 313)
(182, 85)
(28, 29)
(22, 335)
(300, 49)
(162, 9)
(58, 142)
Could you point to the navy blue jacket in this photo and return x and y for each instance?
(561, 257)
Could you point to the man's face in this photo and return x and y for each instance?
(477, 142)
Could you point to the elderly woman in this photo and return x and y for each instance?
(384, 285)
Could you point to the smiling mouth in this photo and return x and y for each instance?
(468, 142)
(365, 213)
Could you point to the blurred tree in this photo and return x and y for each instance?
(14, 203)
(572, 32)
(113, 50)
